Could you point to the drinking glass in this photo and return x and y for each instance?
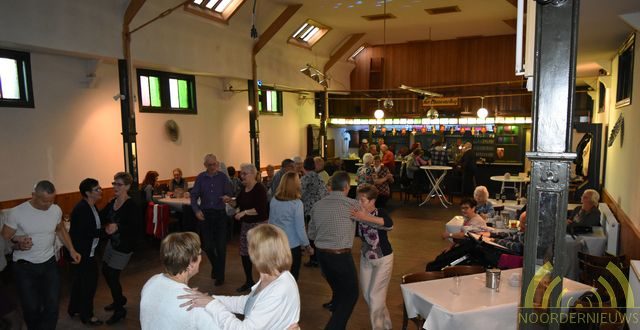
(456, 285)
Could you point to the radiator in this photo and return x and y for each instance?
(612, 228)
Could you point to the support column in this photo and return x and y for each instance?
(323, 125)
(254, 125)
(128, 120)
(554, 85)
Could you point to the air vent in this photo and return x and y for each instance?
(378, 17)
(442, 10)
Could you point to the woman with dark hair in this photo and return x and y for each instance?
(149, 185)
(287, 212)
(85, 234)
(123, 215)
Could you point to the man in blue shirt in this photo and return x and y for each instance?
(212, 188)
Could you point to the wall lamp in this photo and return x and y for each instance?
(316, 75)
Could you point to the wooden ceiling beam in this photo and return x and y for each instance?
(342, 50)
(132, 10)
(275, 27)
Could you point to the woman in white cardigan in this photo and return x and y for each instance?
(274, 302)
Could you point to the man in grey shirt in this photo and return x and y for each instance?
(333, 230)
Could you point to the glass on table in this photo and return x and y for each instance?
(456, 285)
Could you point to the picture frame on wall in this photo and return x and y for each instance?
(625, 72)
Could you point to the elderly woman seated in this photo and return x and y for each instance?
(587, 214)
(484, 207)
(472, 223)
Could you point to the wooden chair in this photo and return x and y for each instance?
(603, 261)
(592, 275)
(412, 278)
(588, 315)
(462, 270)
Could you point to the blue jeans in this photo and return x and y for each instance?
(213, 234)
(39, 290)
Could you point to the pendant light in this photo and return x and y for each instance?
(379, 113)
(482, 112)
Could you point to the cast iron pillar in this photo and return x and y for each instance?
(254, 125)
(545, 258)
(128, 125)
(324, 117)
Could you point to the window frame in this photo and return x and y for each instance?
(165, 95)
(262, 100)
(25, 80)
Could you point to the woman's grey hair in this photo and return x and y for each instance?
(209, 156)
(248, 168)
(481, 191)
(594, 196)
(367, 158)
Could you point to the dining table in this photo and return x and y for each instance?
(470, 304)
(513, 182)
(511, 207)
(181, 206)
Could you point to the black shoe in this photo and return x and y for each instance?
(218, 282)
(72, 314)
(311, 263)
(245, 287)
(328, 306)
(117, 316)
(112, 306)
(213, 275)
(92, 321)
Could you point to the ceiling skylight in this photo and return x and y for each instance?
(219, 10)
(308, 34)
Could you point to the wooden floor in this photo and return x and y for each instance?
(415, 240)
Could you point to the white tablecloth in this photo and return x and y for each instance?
(594, 244)
(477, 307)
(174, 203)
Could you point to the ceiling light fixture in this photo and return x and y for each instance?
(379, 113)
(316, 75)
(432, 113)
(482, 112)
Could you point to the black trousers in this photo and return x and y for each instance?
(340, 272)
(296, 260)
(112, 277)
(213, 234)
(84, 282)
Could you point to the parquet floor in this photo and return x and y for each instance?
(415, 240)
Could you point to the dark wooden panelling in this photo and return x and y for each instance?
(629, 233)
(443, 62)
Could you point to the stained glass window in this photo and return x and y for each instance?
(15, 79)
(166, 92)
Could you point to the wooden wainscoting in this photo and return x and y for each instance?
(629, 233)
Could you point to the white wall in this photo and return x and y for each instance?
(74, 130)
(622, 180)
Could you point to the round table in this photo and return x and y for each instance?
(514, 179)
(435, 183)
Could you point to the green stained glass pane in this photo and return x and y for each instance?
(259, 100)
(183, 93)
(274, 101)
(154, 89)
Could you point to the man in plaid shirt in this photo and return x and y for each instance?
(438, 154)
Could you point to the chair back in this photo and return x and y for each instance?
(498, 209)
(602, 261)
(595, 276)
(462, 270)
(421, 277)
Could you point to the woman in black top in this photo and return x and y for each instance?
(253, 209)
(123, 214)
(468, 163)
(85, 233)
